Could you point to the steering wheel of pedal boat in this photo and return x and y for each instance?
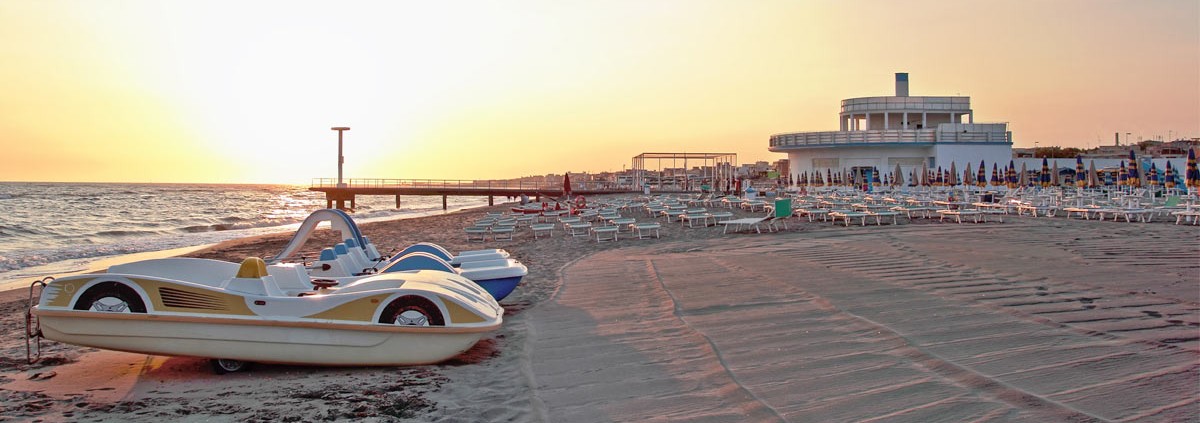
(224, 365)
(412, 310)
(110, 297)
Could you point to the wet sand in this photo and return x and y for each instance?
(1034, 319)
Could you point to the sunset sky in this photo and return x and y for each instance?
(246, 91)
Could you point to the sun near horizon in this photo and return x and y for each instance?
(237, 92)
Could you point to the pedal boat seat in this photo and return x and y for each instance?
(252, 278)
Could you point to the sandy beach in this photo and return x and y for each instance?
(1033, 319)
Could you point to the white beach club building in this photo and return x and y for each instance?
(882, 132)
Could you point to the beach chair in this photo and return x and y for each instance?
(781, 212)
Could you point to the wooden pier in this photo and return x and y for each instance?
(339, 194)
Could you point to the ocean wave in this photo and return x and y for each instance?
(125, 233)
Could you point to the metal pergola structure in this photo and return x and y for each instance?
(715, 167)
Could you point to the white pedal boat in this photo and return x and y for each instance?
(233, 314)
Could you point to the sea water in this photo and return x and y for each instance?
(52, 228)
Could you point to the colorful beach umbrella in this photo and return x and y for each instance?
(1080, 177)
(1122, 175)
(875, 177)
(1010, 175)
(981, 175)
(1152, 175)
(1169, 177)
(995, 181)
(1191, 176)
(1134, 179)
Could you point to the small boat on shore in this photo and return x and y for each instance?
(235, 314)
(492, 269)
(498, 275)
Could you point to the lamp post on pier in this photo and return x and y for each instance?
(341, 159)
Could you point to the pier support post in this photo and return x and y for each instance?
(397, 200)
(444, 203)
(491, 201)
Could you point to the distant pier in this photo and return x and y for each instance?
(340, 194)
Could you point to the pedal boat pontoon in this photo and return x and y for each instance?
(401, 318)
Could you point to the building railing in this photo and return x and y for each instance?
(891, 136)
(458, 184)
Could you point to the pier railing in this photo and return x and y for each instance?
(456, 184)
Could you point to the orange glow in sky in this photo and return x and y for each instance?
(236, 91)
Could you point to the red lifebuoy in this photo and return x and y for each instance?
(580, 202)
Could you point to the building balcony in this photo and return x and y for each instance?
(945, 133)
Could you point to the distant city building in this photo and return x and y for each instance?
(882, 132)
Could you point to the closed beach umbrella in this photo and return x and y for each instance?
(1092, 178)
(828, 177)
(1134, 179)
(1191, 176)
(924, 174)
(897, 176)
(1023, 178)
(1169, 177)
(1054, 174)
(567, 185)
(1080, 177)
(939, 178)
(1122, 174)
(1007, 174)
(952, 180)
(1152, 175)
(995, 181)
(1134, 172)
(1044, 175)
(968, 176)
(981, 175)
(875, 177)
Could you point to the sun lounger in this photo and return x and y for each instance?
(958, 214)
(847, 216)
(577, 228)
(1187, 216)
(813, 213)
(645, 229)
(691, 218)
(744, 223)
(882, 214)
(503, 232)
(623, 222)
(1084, 212)
(605, 233)
(542, 228)
(477, 233)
